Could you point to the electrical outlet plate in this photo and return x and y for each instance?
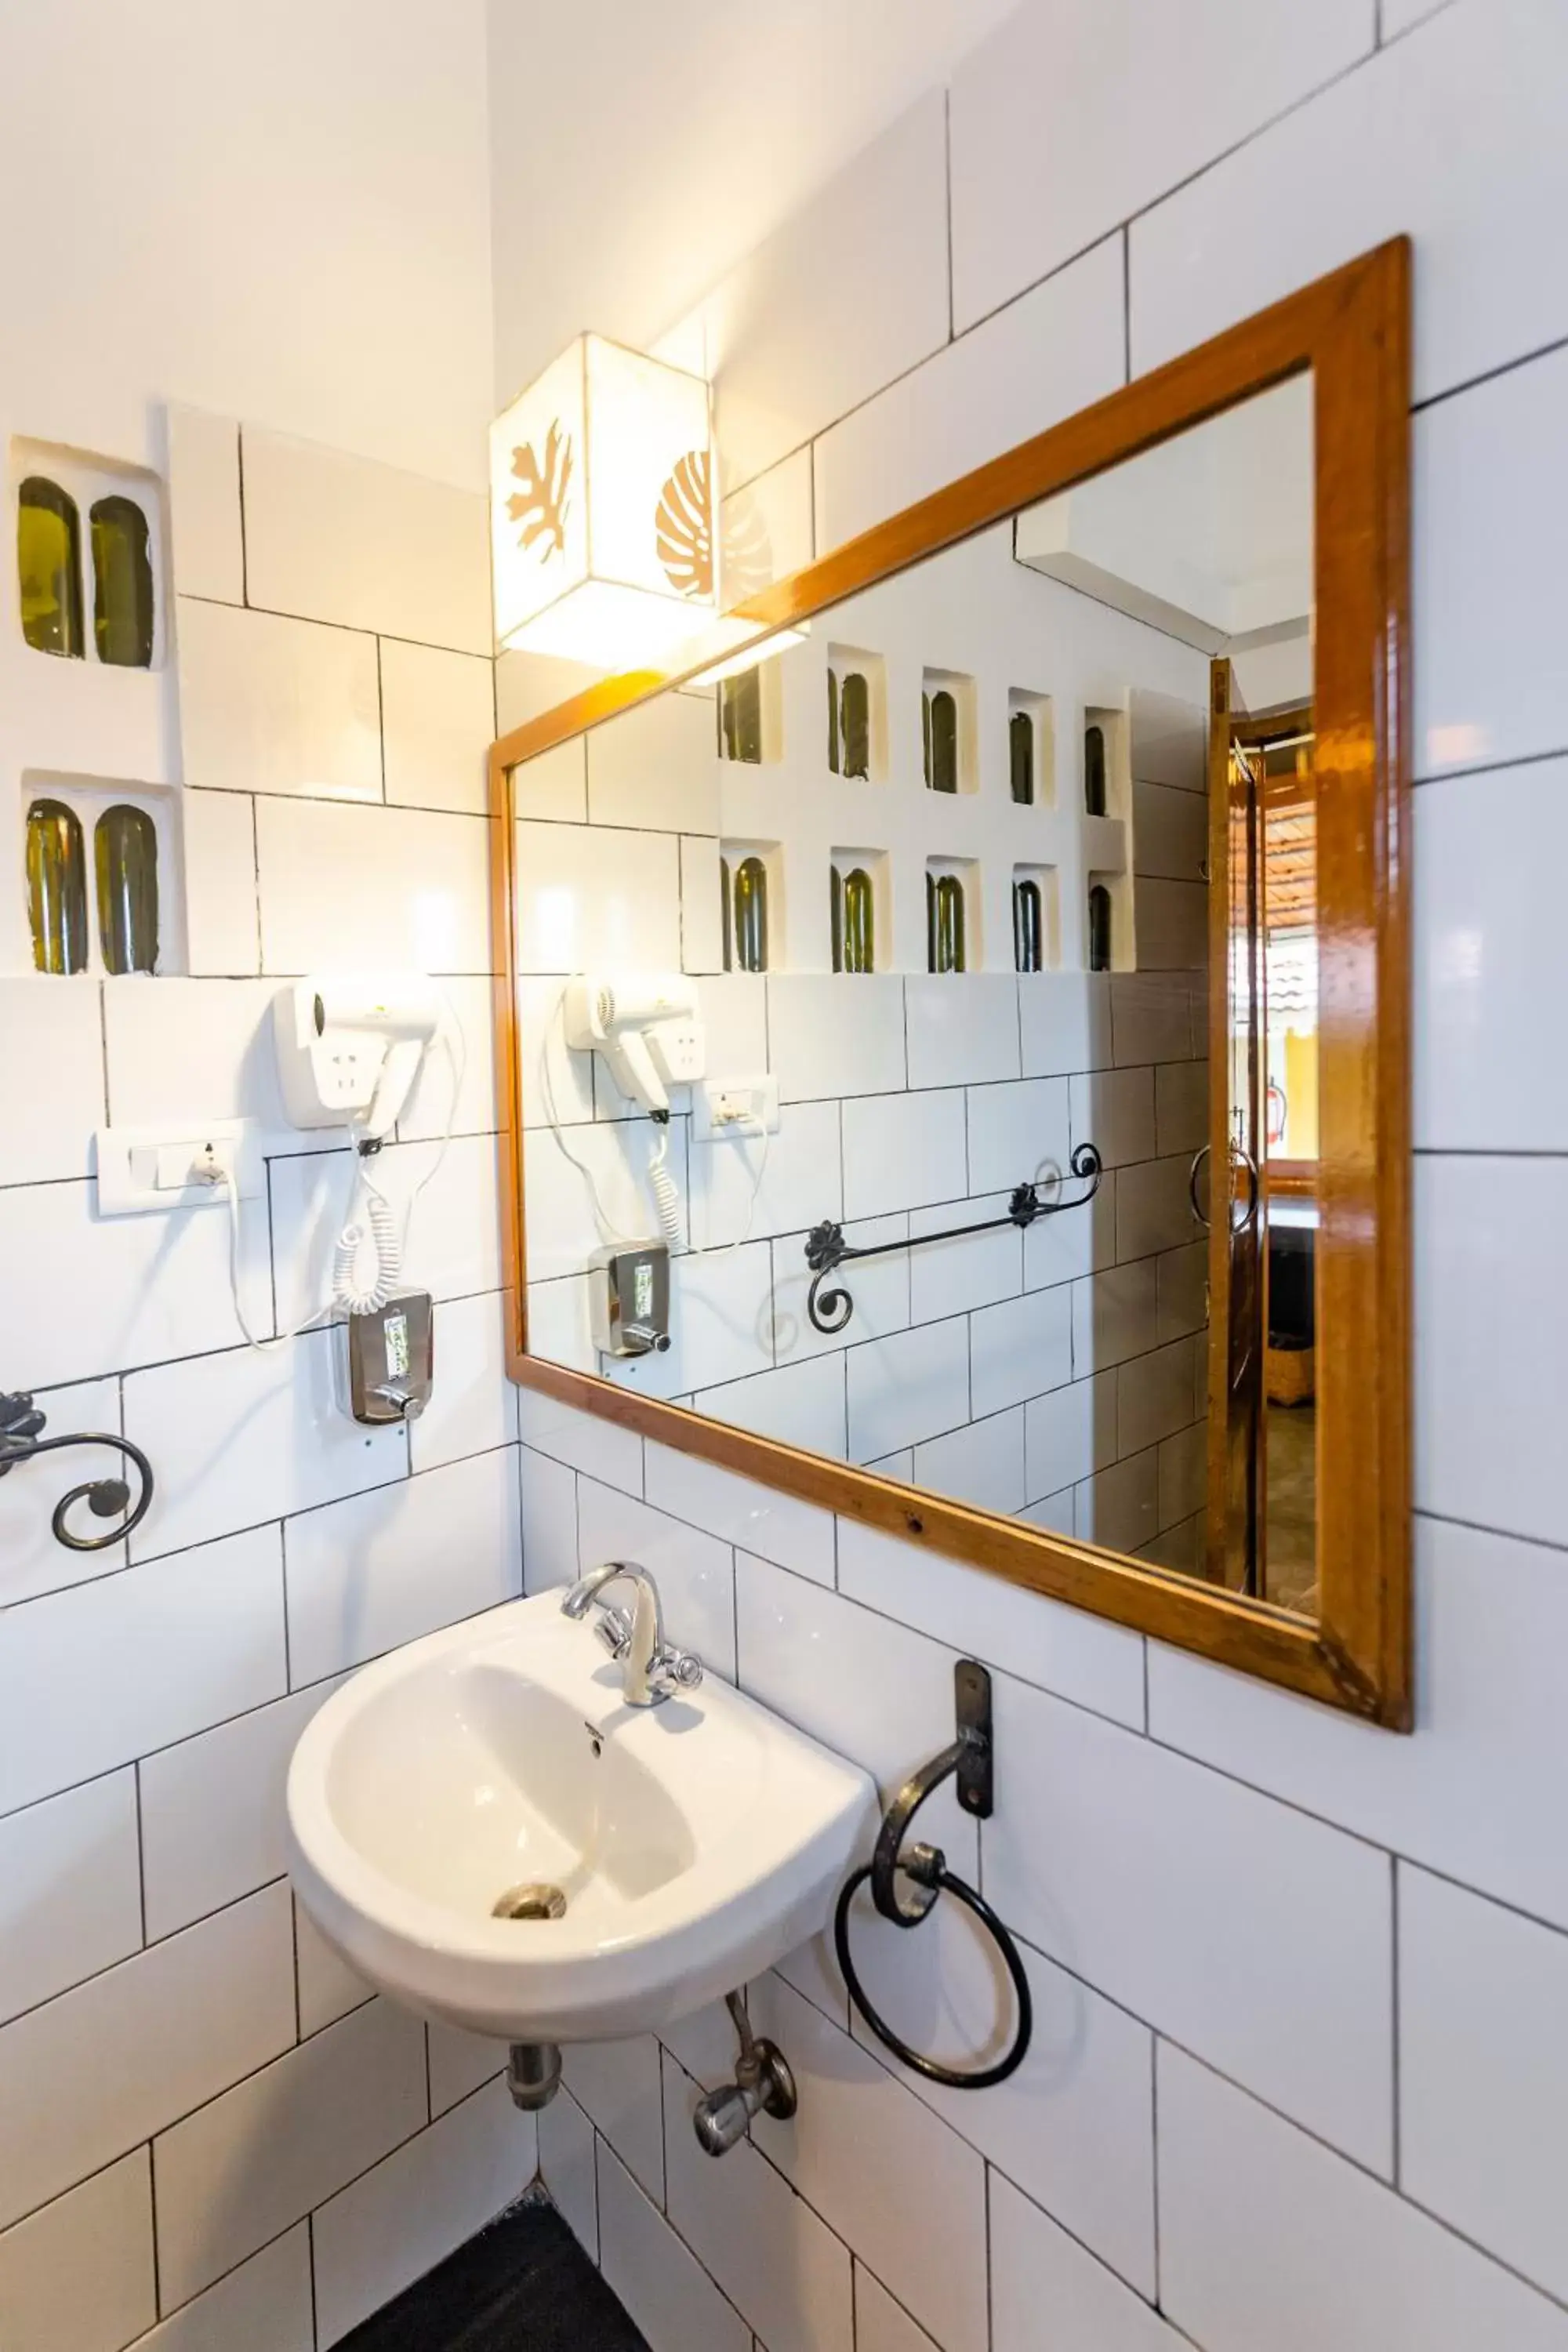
(725, 1110)
(144, 1169)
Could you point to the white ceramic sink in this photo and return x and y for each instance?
(696, 1842)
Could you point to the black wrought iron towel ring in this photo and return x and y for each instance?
(970, 1758)
(827, 1249)
(22, 1440)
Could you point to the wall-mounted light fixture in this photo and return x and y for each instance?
(601, 509)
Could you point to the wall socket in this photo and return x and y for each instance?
(738, 1108)
(141, 1169)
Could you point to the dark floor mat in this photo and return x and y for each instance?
(523, 2285)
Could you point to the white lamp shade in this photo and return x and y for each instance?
(601, 520)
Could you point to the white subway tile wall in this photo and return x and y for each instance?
(188, 2070)
(1367, 2053)
(1299, 1984)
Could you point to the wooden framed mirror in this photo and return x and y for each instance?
(1051, 873)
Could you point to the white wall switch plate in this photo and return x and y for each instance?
(722, 1107)
(144, 1169)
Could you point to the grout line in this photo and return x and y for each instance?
(294, 1953)
(381, 724)
(156, 1944)
(255, 883)
(1155, 2168)
(1489, 768)
(103, 1051)
(343, 628)
(153, 2211)
(141, 1862)
(311, 2251)
(1395, 2134)
(1449, 2228)
(244, 532)
(1489, 375)
(947, 197)
(337, 1673)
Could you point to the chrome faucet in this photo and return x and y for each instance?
(650, 1669)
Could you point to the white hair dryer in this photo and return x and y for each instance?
(348, 1050)
(645, 1026)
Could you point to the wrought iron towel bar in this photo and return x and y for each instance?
(827, 1249)
(22, 1440)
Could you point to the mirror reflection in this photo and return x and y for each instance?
(920, 1022)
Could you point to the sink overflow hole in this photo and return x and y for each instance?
(533, 1902)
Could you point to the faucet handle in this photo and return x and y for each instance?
(675, 1669)
(613, 1628)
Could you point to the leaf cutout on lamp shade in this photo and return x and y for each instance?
(683, 526)
(542, 504)
(747, 566)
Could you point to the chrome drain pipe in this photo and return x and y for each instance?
(533, 2074)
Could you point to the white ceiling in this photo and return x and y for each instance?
(638, 153)
(1208, 535)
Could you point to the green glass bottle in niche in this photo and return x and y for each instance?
(125, 862)
(831, 724)
(1027, 954)
(1099, 928)
(1094, 771)
(855, 725)
(939, 714)
(836, 915)
(1021, 757)
(49, 567)
(858, 922)
(751, 914)
(122, 583)
(724, 916)
(740, 716)
(56, 887)
(944, 922)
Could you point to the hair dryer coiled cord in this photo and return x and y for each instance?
(380, 1221)
(666, 1192)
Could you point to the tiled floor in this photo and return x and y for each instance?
(523, 2285)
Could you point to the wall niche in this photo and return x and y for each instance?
(102, 877)
(88, 543)
(856, 714)
(752, 910)
(859, 917)
(749, 714)
(949, 745)
(1031, 749)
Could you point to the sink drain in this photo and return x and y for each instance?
(533, 1902)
